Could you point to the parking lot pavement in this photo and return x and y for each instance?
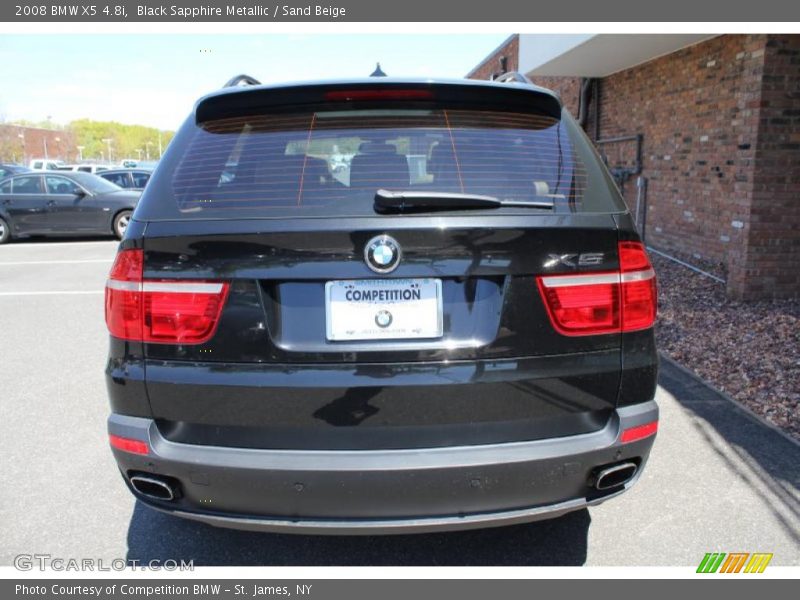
(717, 479)
(44, 268)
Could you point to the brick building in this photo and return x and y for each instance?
(717, 123)
(20, 144)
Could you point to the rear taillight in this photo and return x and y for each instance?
(598, 303)
(582, 304)
(160, 311)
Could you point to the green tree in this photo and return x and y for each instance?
(126, 141)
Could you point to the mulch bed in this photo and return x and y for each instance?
(751, 351)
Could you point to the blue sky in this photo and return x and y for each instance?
(155, 79)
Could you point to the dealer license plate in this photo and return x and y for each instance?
(383, 309)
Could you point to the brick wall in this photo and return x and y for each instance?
(491, 65)
(721, 152)
(698, 111)
(771, 263)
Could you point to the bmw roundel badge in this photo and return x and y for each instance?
(382, 254)
(383, 318)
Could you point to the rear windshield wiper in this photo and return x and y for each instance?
(388, 202)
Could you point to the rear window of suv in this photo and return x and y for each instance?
(332, 162)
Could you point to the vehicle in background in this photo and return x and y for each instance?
(130, 179)
(7, 170)
(63, 203)
(80, 168)
(94, 169)
(466, 345)
(45, 164)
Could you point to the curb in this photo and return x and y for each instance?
(738, 405)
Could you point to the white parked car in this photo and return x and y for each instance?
(45, 164)
(93, 169)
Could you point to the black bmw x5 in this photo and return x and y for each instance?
(380, 306)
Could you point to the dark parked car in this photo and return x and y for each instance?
(7, 170)
(130, 179)
(62, 203)
(455, 331)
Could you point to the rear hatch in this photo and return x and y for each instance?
(272, 192)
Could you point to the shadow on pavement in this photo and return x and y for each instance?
(754, 448)
(156, 536)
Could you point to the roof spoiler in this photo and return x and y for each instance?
(250, 99)
(241, 80)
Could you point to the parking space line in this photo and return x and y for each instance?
(55, 262)
(53, 293)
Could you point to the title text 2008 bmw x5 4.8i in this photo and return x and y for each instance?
(380, 306)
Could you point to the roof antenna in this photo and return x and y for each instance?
(378, 72)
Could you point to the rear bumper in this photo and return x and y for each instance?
(384, 491)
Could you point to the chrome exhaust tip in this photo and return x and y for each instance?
(615, 475)
(153, 487)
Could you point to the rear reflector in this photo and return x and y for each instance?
(386, 94)
(128, 445)
(639, 432)
(160, 311)
(599, 303)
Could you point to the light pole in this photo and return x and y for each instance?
(108, 144)
(21, 136)
(80, 153)
(147, 150)
(139, 152)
